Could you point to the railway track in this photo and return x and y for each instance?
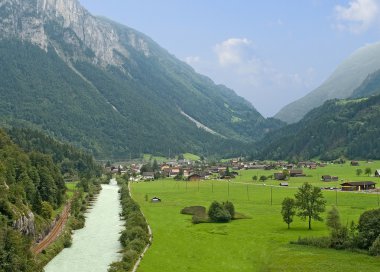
(55, 231)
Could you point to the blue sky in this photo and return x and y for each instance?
(269, 52)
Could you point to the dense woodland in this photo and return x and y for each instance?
(32, 181)
(339, 128)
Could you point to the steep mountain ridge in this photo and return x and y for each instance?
(346, 78)
(115, 91)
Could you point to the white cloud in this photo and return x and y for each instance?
(358, 16)
(232, 51)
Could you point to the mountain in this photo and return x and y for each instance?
(370, 86)
(111, 89)
(349, 128)
(341, 84)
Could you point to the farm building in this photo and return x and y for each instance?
(354, 163)
(279, 176)
(329, 178)
(358, 185)
(194, 177)
(296, 173)
(148, 175)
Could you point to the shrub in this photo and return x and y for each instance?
(374, 250)
(218, 213)
(230, 208)
(322, 242)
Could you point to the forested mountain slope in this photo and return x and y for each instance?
(111, 89)
(349, 128)
(31, 185)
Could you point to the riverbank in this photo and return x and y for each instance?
(136, 236)
(61, 234)
(96, 245)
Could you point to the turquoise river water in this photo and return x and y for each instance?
(96, 245)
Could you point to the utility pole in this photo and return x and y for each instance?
(271, 195)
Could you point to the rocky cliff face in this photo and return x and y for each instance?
(25, 224)
(41, 21)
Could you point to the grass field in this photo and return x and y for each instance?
(257, 244)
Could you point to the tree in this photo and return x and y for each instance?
(263, 178)
(254, 178)
(333, 219)
(286, 174)
(288, 210)
(369, 228)
(155, 166)
(310, 203)
(368, 171)
(359, 172)
(218, 213)
(47, 210)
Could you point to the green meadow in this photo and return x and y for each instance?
(260, 243)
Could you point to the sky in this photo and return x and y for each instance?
(270, 52)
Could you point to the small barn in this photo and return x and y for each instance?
(148, 175)
(329, 178)
(194, 177)
(279, 176)
(354, 163)
(358, 185)
(296, 173)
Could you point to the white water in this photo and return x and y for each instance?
(95, 246)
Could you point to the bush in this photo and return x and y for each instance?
(374, 250)
(369, 228)
(322, 242)
(218, 213)
(230, 208)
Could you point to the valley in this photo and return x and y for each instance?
(200, 179)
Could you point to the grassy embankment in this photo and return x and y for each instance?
(257, 244)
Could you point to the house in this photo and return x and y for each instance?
(174, 172)
(329, 178)
(148, 175)
(194, 177)
(358, 185)
(296, 173)
(377, 173)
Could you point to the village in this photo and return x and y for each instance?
(281, 171)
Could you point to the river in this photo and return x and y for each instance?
(96, 245)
